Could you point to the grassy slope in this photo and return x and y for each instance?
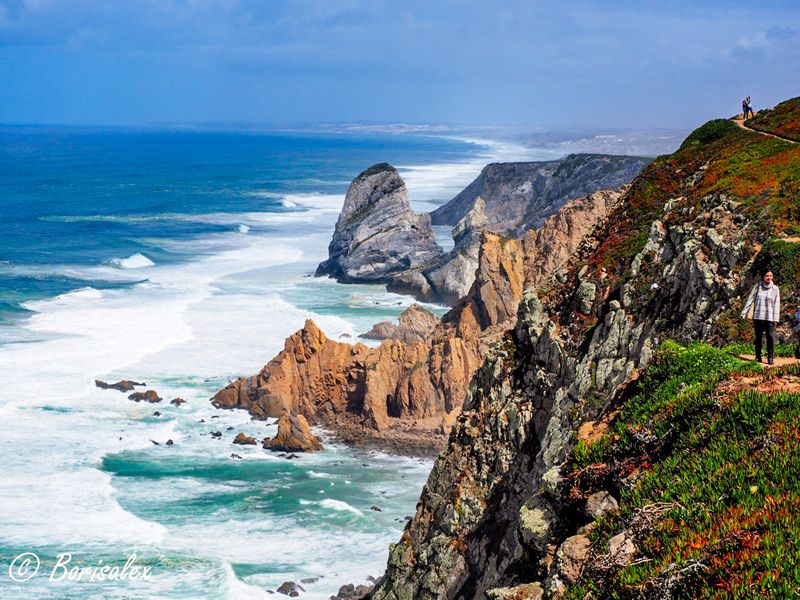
(783, 120)
(704, 453)
(705, 458)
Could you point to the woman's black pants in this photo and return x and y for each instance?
(765, 327)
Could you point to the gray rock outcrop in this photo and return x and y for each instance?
(377, 234)
(520, 195)
(451, 276)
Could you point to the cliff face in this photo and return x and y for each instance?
(413, 383)
(672, 260)
(519, 196)
(377, 234)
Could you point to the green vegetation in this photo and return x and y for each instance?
(708, 133)
(706, 458)
(783, 259)
(785, 350)
(783, 120)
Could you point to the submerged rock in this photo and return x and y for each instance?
(352, 592)
(177, 401)
(121, 386)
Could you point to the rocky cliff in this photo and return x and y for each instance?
(672, 260)
(377, 234)
(519, 196)
(379, 239)
(407, 384)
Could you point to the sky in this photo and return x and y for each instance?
(550, 64)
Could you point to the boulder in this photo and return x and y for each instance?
(294, 435)
(377, 234)
(244, 440)
(291, 589)
(383, 330)
(599, 504)
(148, 396)
(621, 549)
(177, 401)
(416, 324)
(571, 556)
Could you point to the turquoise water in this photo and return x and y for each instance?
(183, 259)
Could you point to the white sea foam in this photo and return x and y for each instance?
(243, 228)
(340, 506)
(134, 261)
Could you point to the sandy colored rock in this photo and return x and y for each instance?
(621, 549)
(571, 556)
(415, 325)
(244, 440)
(294, 435)
(148, 396)
(548, 247)
(526, 591)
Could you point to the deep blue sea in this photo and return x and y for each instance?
(183, 259)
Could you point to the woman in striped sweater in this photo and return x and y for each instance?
(765, 300)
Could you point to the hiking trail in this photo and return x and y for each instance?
(741, 123)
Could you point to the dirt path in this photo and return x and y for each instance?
(740, 123)
(780, 361)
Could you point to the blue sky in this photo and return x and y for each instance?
(554, 64)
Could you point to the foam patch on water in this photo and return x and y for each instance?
(134, 261)
(340, 506)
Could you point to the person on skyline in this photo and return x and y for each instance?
(746, 108)
(763, 306)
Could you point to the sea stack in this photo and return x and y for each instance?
(377, 234)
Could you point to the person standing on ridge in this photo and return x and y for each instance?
(746, 108)
(763, 306)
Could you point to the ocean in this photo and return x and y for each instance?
(184, 259)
